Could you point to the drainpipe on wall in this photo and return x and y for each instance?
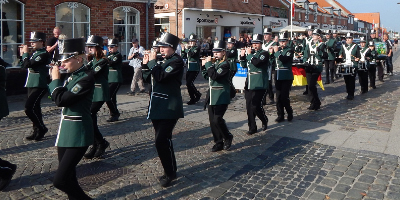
(147, 23)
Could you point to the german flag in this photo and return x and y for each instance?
(300, 77)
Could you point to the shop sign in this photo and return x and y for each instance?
(276, 24)
(248, 23)
(207, 20)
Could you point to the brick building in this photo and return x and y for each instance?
(124, 19)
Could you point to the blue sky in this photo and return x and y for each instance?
(388, 9)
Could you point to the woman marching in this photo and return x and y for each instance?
(218, 96)
(75, 133)
(36, 82)
(99, 64)
(114, 77)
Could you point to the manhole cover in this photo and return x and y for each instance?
(96, 174)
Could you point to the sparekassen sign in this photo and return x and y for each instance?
(207, 20)
(247, 23)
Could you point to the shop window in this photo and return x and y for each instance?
(73, 19)
(161, 26)
(12, 30)
(126, 28)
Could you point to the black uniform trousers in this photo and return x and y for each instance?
(33, 109)
(312, 78)
(65, 177)
(372, 75)
(379, 66)
(389, 65)
(282, 96)
(363, 80)
(350, 81)
(5, 169)
(330, 70)
(190, 78)
(255, 108)
(112, 104)
(163, 141)
(217, 123)
(94, 109)
(270, 90)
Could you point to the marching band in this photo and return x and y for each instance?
(91, 84)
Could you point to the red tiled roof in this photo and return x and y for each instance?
(368, 17)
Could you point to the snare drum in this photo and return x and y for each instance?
(362, 66)
(345, 69)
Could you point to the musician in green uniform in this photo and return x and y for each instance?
(314, 53)
(256, 62)
(372, 64)
(379, 65)
(232, 58)
(351, 55)
(329, 62)
(165, 106)
(218, 96)
(268, 44)
(100, 66)
(7, 169)
(193, 55)
(36, 82)
(284, 78)
(114, 77)
(363, 65)
(75, 133)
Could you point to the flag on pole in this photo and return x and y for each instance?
(293, 9)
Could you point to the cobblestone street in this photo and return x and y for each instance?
(346, 150)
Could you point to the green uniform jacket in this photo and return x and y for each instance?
(232, 55)
(75, 96)
(330, 48)
(101, 89)
(115, 71)
(193, 55)
(284, 60)
(299, 48)
(3, 96)
(257, 73)
(166, 99)
(218, 75)
(355, 53)
(315, 58)
(37, 68)
(271, 62)
(373, 55)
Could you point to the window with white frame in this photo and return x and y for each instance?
(161, 26)
(12, 30)
(245, 1)
(126, 27)
(73, 19)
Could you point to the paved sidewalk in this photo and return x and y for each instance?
(346, 150)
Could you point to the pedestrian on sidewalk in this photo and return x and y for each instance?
(100, 66)
(36, 82)
(165, 106)
(7, 169)
(136, 56)
(114, 78)
(75, 96)
(389, 45)
(218, 96)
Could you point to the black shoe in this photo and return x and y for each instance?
(191, 102)
(41, 134)
(290, 117)
(363, 92)
(217, 147)
(280, 119)
(101, 149)
(114, 118)
(130, 93)
(264, 126)
(326, 83)
(305, 93)
(251, 132)
(311, 107)
(142, 91)
(165, 180)
(92, 151)
(197, 99)
(374, 87)
(350, 97)
(33, 134)
(228, 143)
(332, 81)
(317, 107)
(6, 178)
